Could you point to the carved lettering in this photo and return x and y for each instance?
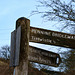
(40, 60)
(42, 39)
(51, 33)
(67, 36)
(41, 52)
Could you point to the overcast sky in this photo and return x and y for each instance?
(10, 11)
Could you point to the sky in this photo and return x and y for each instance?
(11, 10)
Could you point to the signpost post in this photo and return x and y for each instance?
(22, 68)
(49, 37)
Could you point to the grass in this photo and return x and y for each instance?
(4, 68)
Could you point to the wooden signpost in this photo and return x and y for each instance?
(49, 37)
(21, 52)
